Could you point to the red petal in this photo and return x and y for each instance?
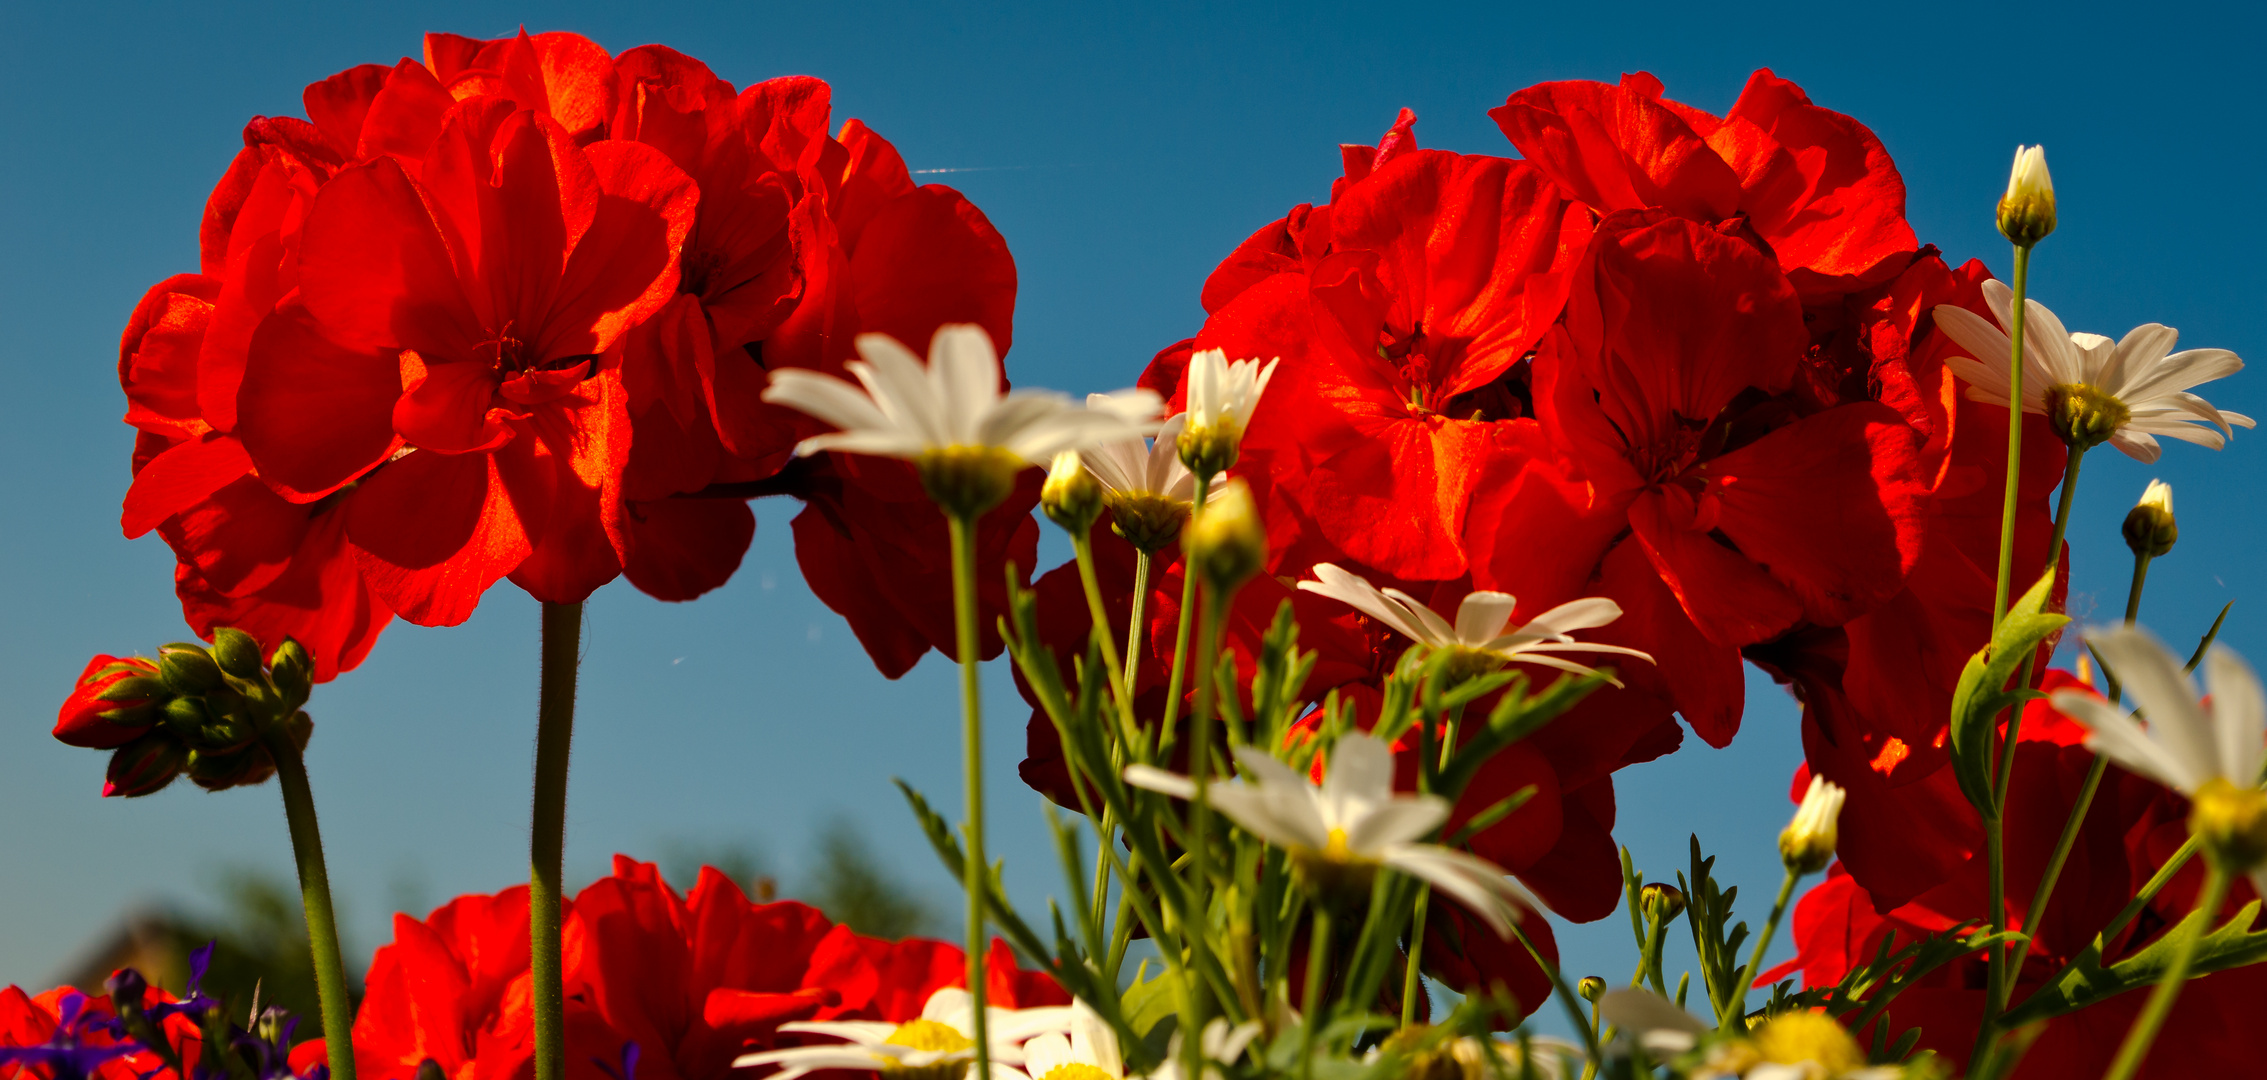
(681, 548)
(179, 477)
(928, 259)
(313, 414)
(1731, 599)
(1618, 148)
(374, 269)
(446, 406)
(1829, 199)
(433, 531)
(405, 117)
(624, 267)
(318, 599)
(1703, 678)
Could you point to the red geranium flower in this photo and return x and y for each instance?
(81, 1020)
(694, 981)
(1814, 185)
(451, 353)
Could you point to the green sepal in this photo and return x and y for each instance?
(1982, 693)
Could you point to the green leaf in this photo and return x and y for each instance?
(2085, 981)
(1982, 693)
(1147, 1003)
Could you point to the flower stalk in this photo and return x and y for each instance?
(315, 898)
(972, 752)
(554, 736)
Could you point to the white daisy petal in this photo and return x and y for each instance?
(1155, 779)
(1401, 821)
(1361, 767)
(2239, 714)
(1482, 616)
(2115, 736)
(2155, 679)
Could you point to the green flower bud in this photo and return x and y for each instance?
(237, 652)
(143, 766)
(221, 770)
(1591, 988)
(1661, 902)
(292, 671)
(188, 669)
(1224, 541)
(2149, 527)
(1071, 497)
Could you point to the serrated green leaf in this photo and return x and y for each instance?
(1982, 693)
(2086, 982)
(1149, 1002)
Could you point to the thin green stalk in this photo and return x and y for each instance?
(1310, 1001)
(972, 754)
(1137, 628)
(554, 736)
(315, 896)
(1412, 973)
(2014, 437)
(2077, 819)
(1567, 997)
(1181, 635)
(1737, 1013)
(1105, 825)
(1216, 603)
(2152, 1018)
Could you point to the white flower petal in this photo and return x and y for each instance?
(1361, 767)
(2155, 679)
(965, 370)
(1359, 594)
(1399, 821)
(1155, 779)
(1479, 885)
(827, 398)
(900, 385)
(1282, 818)
(2116, 737)
(1437, 630)
(1483, 615)
(2239, 715)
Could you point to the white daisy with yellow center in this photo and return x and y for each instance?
(939, 1045)
(1479, 635)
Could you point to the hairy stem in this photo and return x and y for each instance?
(315, 897)
(554, 736)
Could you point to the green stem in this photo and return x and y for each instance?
(2085, 802)
(1310, 1001)
(315, 897)
(1216, 603)
(1567, 997)
(1137, 628)
(1083, 546)
(2152, 1018)
(972, 753)
(1737, 1013)
(2014, 437)
(1411, 973)
(554, 736)
(1181, 635)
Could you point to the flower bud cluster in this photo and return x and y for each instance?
(195, 710)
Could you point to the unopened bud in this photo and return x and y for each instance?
(127, 988)
(2026, 212)
(1224, 541)
(237, 652)
(1661, 902)
(221, 770)
(113, 701)
(1071, 496)
(1591, 988)
(2149, 527)
(145, 765)
(1807, 844)
(292, 671)
(189, 669)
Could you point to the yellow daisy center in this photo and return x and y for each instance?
(1465, 663)
(1147, 520)
(968, 480)
(2233, 823)
(1797, 1037)
(1076, 1070)
(932, 1036)
(1334, 867)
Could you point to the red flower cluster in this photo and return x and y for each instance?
(1679, 360)
(695, 981)
(503, 313)
(74, 1028)
(2133, 826)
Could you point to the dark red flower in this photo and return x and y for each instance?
(453, 354)
(1814, 185)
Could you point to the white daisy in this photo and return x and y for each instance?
(1222, 397)
(1087, 1051)
(1139, 467)
(950, 418)
(1799, 1045)
(2209, 750)
(2091, 388)
(1221, 1045)
(1481, 619)
(940, 1045)
(1341, 831)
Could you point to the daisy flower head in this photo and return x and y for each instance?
(967, 439)
(2092, 389)
(1086, 1050)
(2026, 212)
(2210, 750)
(1222, 396)
(1340, 832)
(1479, 639)
(1794, 1045)
(1146, 486)
(938, 1045)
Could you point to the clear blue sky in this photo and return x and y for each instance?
(1122, 151)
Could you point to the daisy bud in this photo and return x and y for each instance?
(144, 766)
(1224, 541)
(188, 669)
(1221, 397)
(1071, 496)
(237, 652)
(1661, 902)
(1807, 844)
(2149, 527)
(1591, 988)
(2026, 212)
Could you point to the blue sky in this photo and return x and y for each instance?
(1122, 151)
